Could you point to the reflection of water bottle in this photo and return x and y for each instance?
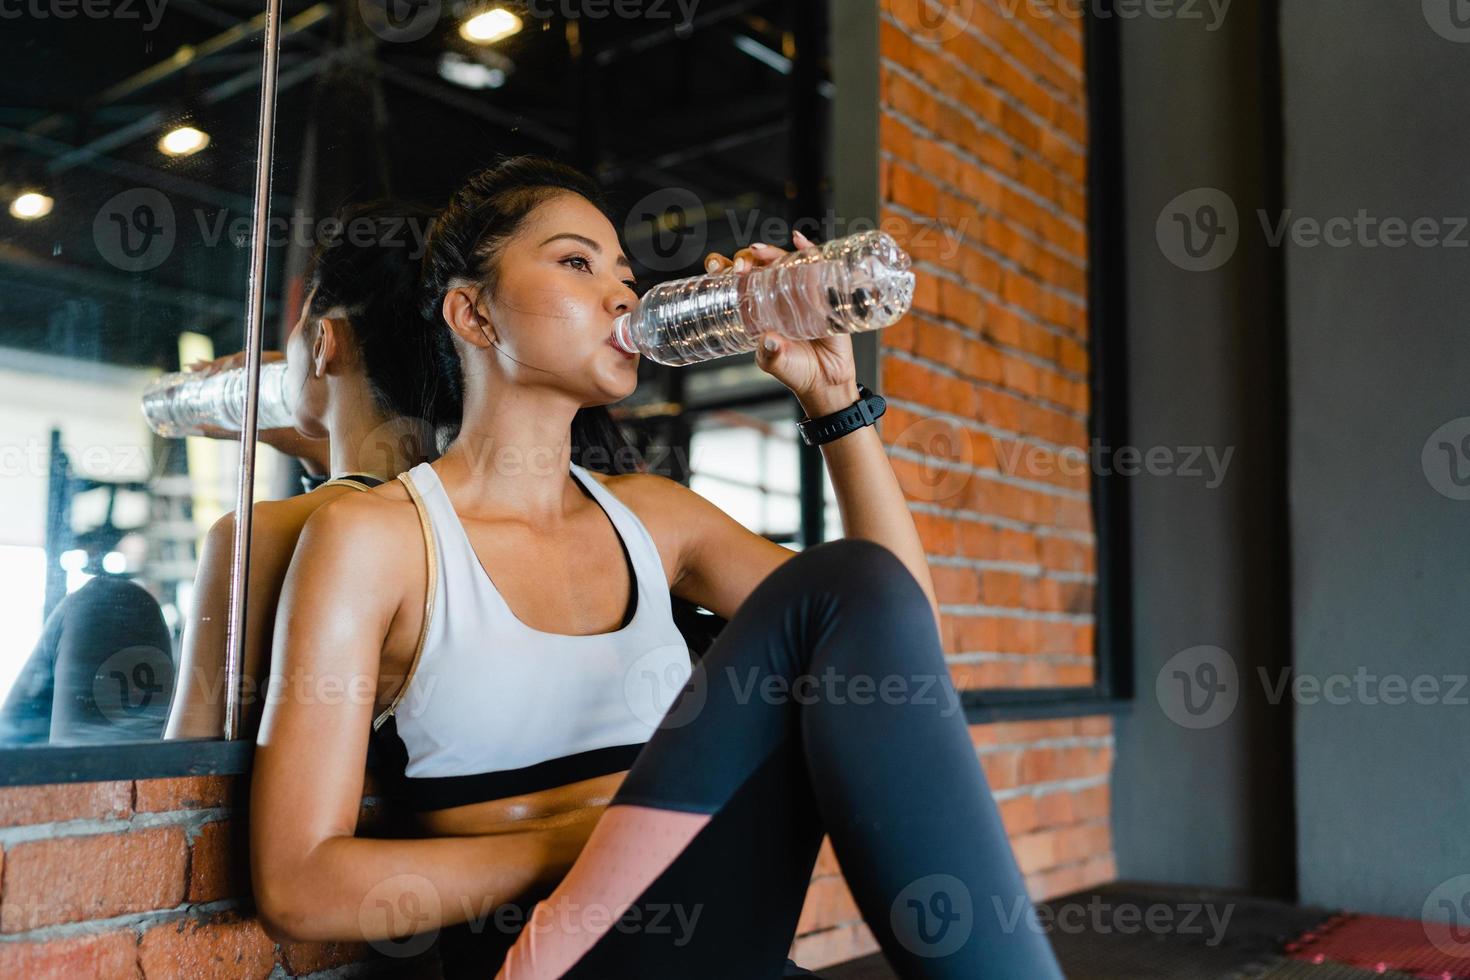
(848, 285)
(182, 403)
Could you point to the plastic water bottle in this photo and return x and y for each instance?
(847, 285)
(184, 402)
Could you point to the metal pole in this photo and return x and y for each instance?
(254, 318)
(805, 203)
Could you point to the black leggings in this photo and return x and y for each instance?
(824, 706)
(102, 671)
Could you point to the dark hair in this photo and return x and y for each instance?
(464, 245)
(368, 267)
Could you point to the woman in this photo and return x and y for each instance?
(360, 369)
(658, 821)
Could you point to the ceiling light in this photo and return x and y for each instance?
(491, 26)
(183, 141)
(467, 73)
(31, 205)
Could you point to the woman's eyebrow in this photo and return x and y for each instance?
(622, 259)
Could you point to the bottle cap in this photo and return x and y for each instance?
(622, 335)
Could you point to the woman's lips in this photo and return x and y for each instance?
(611, 343)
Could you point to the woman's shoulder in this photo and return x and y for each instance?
(665, 506)
(384, 502)
(645, 490)
(379, 517)
(648, 488)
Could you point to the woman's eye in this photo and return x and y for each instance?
(582, 263)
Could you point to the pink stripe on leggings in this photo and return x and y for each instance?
(625, 853)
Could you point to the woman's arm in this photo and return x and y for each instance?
(721, 561)
(197, 709)
(315, 454)
(313, 878)
(724, 564)
(869, 498)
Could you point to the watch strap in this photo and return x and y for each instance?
(865, 411)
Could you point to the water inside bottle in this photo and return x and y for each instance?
(853, 284)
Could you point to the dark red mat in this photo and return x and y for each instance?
(1430, 950)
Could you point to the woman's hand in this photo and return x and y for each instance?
(821, 372)
(229, 363)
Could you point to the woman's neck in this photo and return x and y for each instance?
(513, 455)
(365, 442)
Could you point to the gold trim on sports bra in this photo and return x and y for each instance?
(433, 558)
(343, 481)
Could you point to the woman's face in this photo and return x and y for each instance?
(562, 281)
(307, 391)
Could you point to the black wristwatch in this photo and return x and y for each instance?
(865, 411)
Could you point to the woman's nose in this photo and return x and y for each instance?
(622, 299)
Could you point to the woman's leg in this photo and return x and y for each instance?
(103, 670)
(824, 705)
(114, 665)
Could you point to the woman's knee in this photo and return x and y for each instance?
(864, 573)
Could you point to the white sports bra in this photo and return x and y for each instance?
(494, 708)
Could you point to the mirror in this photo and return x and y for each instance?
(127, 166)
(127, 163)
(382, 100)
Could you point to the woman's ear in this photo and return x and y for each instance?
(325, 346)
(461, 312)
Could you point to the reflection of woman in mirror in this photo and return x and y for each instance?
(358, 361)
(101, 672)
(562, 754)
(314, 454)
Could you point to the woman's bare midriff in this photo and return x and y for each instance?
(509, 813)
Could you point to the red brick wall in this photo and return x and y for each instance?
(142, 879)
(983, 155)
